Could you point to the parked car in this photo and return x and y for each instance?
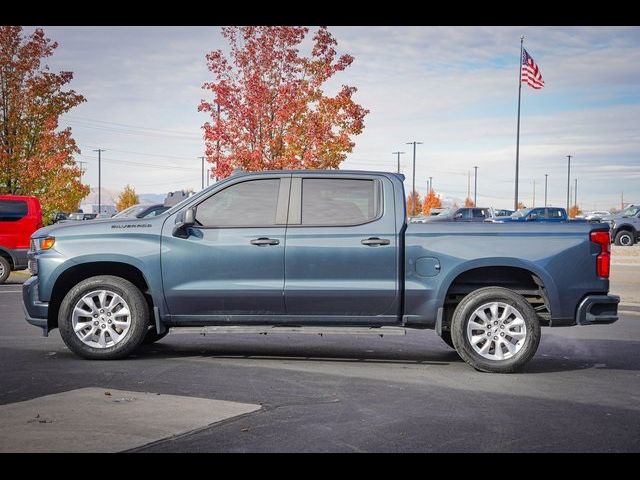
(142, 211)
(502, 212)
(537, 214)
(625, 226)
(351, 263)
(79, 216)
(20, 216)
(464, 214)
(59, 216)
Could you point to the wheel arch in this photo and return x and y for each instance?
(76, 273)
(6, 254)
(523, 277)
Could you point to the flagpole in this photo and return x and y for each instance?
(518, 133)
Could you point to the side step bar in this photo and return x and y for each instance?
(265, 330)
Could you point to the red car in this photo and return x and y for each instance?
(19, 218)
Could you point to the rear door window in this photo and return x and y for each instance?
(480, 213)
(339, 201)
(12, 210)
(554, 213)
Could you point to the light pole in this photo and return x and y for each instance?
(430, 184)
(413, 189)
(575, 192)
(99, 150)
(475, 187)
(398, 153)
(202, 174)
(546, 175)
(568, 180)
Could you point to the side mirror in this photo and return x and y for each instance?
(184, 220)
(532, 216)
(457, 216)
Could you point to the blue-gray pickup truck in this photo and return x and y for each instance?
(316, 250)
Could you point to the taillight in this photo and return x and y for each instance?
(603, 260)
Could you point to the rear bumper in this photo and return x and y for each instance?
(598, 309)
(35, 312)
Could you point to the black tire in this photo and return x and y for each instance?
(139, 318)
(446, 338)
(624, 238)
(153, 336)
(5, 269)
(463, 314)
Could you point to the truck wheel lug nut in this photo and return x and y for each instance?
(101, 310)
(95, 315)
(95, 323)
(502, 334)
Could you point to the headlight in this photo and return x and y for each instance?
(44, 243)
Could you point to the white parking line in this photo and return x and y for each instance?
(10, 291)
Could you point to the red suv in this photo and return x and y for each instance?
(19, 218)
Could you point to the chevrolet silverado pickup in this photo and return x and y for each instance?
(322, 251)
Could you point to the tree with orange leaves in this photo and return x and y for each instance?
(574, 211)
(431, 200)
(521, 205)
(468, 202)
(35, 157)
(410, 203)
(269, 110)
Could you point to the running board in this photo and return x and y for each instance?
(265, 330)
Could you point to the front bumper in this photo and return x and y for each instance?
(36, 312)
(598, 309)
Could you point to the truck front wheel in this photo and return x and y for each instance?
(103, 318)
(495, 330)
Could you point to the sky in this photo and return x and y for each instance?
(453, 88)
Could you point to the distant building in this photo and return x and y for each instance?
(176, 197)
(93, 208)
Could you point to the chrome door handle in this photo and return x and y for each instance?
(373, 241)
(263, 242)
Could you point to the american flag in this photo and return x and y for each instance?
(530, 72)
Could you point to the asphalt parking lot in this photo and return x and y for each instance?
(343, 393)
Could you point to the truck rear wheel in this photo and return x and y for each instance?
(624, 238)
(103, 318)
(495, 330)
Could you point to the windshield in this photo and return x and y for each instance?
(131, 211)
(631, 211)
(523, 212)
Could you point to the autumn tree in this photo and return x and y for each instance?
(36, 158)
(269, 110)
(468, 202)
(127, 198)
(431, 200)
(574, 211)
(521, 205)
(411, 198)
